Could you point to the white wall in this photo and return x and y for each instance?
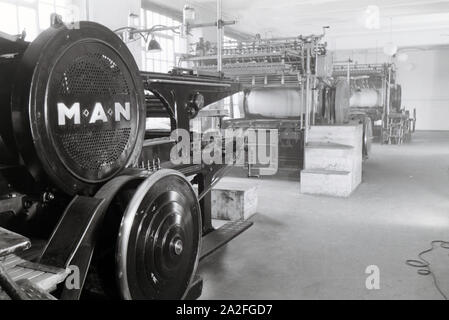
(361, 56)
(425, 85)
(424, 79)
(372, 39)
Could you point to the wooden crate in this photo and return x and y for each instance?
(234, 199)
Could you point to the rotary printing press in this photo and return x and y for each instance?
(287, 86)
(87, 188)
(376, 99)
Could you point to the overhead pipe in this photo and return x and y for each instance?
(219, 36)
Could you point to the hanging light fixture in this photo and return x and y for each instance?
(133, 20)
(154, 46)
(188, 15)
(127, 34)
(188, 18)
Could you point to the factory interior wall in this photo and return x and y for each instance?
(424, 78)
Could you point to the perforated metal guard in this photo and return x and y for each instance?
(93, 150)
(94, 73)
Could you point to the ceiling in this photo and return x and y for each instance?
(404, 22)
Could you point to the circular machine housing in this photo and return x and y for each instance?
(78, 107)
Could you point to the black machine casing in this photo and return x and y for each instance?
(84, 68)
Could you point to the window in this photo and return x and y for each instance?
(229, 43)
(33, 16)
(228, 40)
(231, 104)
(172, 44)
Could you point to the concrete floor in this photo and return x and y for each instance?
(311, 247)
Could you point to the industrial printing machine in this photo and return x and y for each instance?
(83, 177)
(288, 86)
(376, 96)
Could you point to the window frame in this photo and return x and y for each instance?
(173, 44)
(36, 7)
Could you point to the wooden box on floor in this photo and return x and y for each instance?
(234, 200)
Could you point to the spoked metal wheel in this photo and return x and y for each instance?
(159, 239)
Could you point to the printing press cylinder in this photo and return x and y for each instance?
(275, 103)
(284, 103)
(366, 98)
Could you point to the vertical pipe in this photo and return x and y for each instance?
(219, 36)
(308, 91)
(388, 95)
(301, 108)
(349, 71)
(388, 91)
(387, 103)
(387, 98)
(384, 113)
(315, 84)
(301, 126)
(87, 10)
(307, 119)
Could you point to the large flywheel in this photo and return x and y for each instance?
(159, 239)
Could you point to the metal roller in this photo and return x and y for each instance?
(366, 98)
(274, 103)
